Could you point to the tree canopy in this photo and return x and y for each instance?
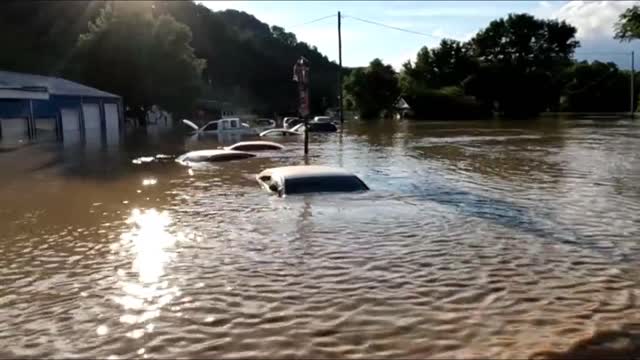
(518, 57)
(145, 58)
(248, 63)
(372, 89)
(628, 26)
(447, 65)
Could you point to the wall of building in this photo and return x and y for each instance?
(69, 119)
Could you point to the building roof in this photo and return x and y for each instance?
(402, 104)
(55, 86)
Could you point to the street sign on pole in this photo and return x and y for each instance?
(301, 76)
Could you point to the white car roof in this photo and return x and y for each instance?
(273, 131)
(245, 143)
(302, 171)
(201, 155)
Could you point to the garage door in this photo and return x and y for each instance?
(70, 125)
(14, 130)
(112, 123)
(45, 129)
(92, 127)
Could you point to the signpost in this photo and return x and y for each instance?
(301, 76)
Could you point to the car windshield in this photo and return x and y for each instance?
(315, 184)
(211, 127)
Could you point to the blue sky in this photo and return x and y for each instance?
(450, 19)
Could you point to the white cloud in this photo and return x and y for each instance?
(593, 19)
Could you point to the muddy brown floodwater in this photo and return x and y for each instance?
(478, 239)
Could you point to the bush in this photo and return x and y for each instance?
(445, 104)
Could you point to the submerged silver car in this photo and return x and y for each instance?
(293, 180)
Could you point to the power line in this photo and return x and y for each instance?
(313, 21)
(393, 27)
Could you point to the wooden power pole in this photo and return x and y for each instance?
(340, 71)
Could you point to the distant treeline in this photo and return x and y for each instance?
(163, 52)
(517, 66)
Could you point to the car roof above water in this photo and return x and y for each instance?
(304, 171)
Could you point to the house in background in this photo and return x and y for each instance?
(402, 109)
(42, 108)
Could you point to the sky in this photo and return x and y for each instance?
(362, 42)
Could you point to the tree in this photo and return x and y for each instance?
(597, 87)
(628, 26)
(286, 37)
(373, 89)
(519, 58)
(38, 36)
(144, 58)
(446, 65)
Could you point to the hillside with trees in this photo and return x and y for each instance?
(165, 52)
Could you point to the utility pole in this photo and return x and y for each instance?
(632, 82)
(340, 62)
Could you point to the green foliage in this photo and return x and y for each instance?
(597, 87)
(446, 65)
(145, 58)
(39, 36)
(373, 89)
(444, 104)
(628, 26)
(283, 36)
(519, 57)
(250, 64)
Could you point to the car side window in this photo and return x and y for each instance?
(233, 124)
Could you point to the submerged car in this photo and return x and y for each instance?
(279, 132)
(222, 126)
(212, 156)
(294, 180)
(290, 122)
(322, 119)
(316, 127)
(255, 146)
(263, 124)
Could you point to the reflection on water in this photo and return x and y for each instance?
(478, 239)
(151, 246)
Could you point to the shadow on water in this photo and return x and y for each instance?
(608, 344)
(501, 212)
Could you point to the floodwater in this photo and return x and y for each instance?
(478, 239)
